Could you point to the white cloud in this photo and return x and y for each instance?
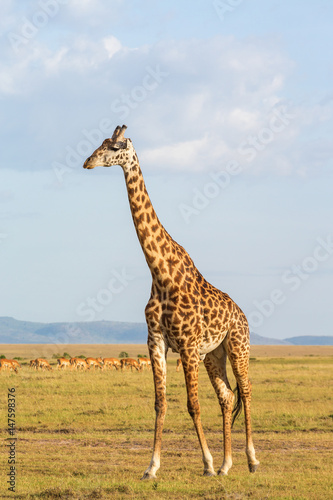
(206, 99)
(112, 45)
(91, 7)
(243, 119)
(182, 154)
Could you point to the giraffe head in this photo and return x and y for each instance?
(114, 151)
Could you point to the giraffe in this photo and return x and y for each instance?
(184, 313)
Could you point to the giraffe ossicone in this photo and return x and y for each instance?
(186, 314)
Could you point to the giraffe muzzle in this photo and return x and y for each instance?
(87, 165)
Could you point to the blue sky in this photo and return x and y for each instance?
(229, 106)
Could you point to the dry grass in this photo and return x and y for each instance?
(30, 351)
(89, 435)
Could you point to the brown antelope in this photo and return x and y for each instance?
(112, 363)
(144, 362)
(33, 364)
(130, 363)
(93, 363)
(7, 365)
(74, 361)
(100, 360)
(79, 364)
(15, 363)
(179, 364)
(63, 363)
(43, 364)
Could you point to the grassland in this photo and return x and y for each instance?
(89, 434)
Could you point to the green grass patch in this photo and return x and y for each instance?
(90, 434)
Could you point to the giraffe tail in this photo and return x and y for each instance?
(237, 406)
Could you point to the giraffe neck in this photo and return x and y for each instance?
(156, 243)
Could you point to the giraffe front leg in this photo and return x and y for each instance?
(158, 362)
(191, 368)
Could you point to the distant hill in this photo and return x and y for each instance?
(13, 331)
(256, 339)
(310, 340)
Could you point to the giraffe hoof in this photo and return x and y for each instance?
(222, 472)
(148, 475)
(209, 473)
(253, 467)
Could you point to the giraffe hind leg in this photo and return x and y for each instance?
(238, 348)
(215, 363)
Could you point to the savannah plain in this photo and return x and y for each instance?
(89, 435)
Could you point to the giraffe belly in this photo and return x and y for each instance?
(211, 341)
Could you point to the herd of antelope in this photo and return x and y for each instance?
(84, 364)
(81, 364)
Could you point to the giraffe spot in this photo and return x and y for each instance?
(165, 248)
(154, 246)
(145, 233)
(166, 282)
(178, 278)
